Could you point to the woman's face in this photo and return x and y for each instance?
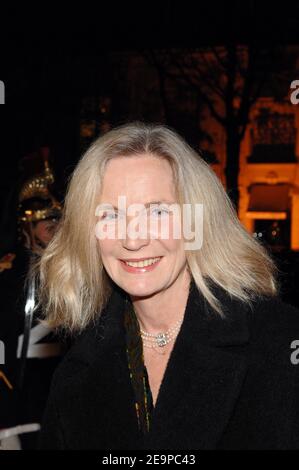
(141, 179)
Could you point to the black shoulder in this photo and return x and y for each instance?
(78, 356)
(92, 342)
(87, 345)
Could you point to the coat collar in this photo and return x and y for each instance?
(203, 378)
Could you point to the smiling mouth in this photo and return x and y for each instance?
(141, 263)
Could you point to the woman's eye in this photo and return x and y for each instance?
(109, 216)
(160, 211)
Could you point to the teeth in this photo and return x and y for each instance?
(142, 264)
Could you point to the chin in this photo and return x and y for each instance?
(141, 289)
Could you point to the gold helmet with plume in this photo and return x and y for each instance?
(36, 202)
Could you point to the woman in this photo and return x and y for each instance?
(183, 345)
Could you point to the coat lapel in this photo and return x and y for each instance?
(203, 377)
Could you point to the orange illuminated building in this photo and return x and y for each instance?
(269, 170)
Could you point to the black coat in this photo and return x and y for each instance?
(229, 384)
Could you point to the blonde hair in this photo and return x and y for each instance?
(74, 287)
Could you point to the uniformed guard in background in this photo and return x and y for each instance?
(32, 351)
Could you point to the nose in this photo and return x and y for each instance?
(136, 236)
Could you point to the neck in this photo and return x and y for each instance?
(161, 311)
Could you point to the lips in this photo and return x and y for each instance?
(141, 259)
(140, 265)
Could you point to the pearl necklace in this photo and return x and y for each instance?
(158, 341)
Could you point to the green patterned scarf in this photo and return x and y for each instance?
(138, 373)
